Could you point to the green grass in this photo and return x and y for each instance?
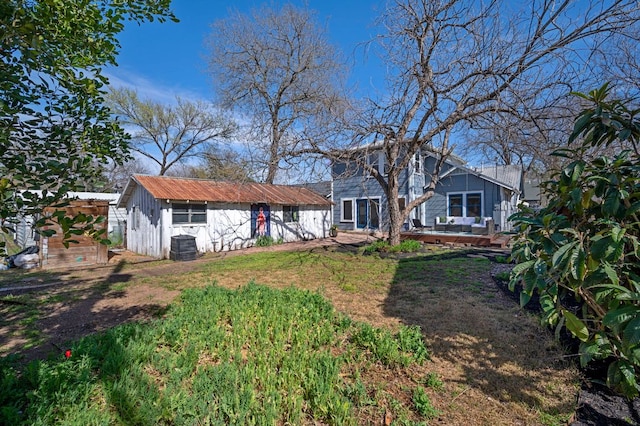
(351, 272)
(219, 355)
(406, 246)
(249, 356)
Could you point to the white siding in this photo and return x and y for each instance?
(146, 238)
(312, 223)
(228, 226)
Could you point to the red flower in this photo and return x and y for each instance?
(67, 353)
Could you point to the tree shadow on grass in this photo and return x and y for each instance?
(484, 339)
(40, 320)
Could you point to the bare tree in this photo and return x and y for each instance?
(116, 175)
(451, 62)
(277, 68)
(217, 164)
(525, 139)
(168, 134)
(528, 137)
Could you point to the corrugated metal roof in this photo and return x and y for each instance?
(185, 189)
(510, 175)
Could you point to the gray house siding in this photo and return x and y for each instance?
(461, 183)
(354, 185)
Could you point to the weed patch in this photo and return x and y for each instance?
(250, 356)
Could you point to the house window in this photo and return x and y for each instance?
(373, 160)
(387, 165)
(402, 203)
(346, 212)
(189, 213)
(135, 217)
(466, 204)
(290, 213)
(455, 205)
(417, 161)
(474, 205)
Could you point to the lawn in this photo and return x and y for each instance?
(322, 336)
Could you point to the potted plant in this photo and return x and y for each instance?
(333, 231)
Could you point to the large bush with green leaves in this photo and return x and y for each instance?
(56, 133)
(583, 247)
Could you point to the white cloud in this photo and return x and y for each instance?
(148, 89)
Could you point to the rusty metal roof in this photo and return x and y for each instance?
(186, 189)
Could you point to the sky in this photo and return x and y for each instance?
(162, 60)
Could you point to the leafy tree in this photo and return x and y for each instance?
(168, 134)
(451, 62)
(585, 244)
(276, 67)
(55, 130)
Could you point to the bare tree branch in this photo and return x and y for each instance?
(276, 67)
(167, 134)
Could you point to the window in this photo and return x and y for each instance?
(290, 213)
(474, 205)
(189, 213)
(417, 161)
(373, 160)
(466, 204)
(346, 212)
(387, 167)
(455, 205)
(402, 203)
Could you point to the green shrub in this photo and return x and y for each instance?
(378, 246)
(423, 404)
(381, 246)
(264, 241)
(407, 246)
(584, 245)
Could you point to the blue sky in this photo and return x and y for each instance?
(165, 60)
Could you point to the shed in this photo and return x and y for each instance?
(220, 215)
(25, 235)
(87, 252)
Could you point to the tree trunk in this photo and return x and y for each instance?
(395, 216)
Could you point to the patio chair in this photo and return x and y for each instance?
(417, 224)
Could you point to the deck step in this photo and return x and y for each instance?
(496, 241)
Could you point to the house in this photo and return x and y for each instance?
(486, 192)
(533, 195)
(219, 215)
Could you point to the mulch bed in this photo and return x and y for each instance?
(597, 404)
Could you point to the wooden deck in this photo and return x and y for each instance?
(432, 237)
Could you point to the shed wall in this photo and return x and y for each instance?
(144, 225)
(228, 226)
(87, 251)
